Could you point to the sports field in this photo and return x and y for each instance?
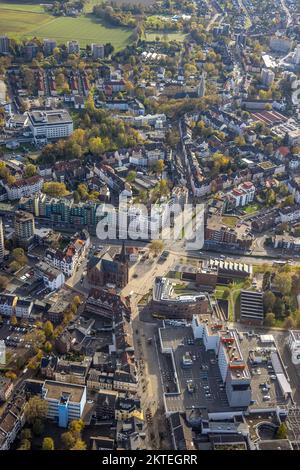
(29, 19)
(162, 35)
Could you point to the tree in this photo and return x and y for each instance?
(279, 308)
(79, 445)
(48, 443)
(76, 426)
(47, 347)
(226, 293)
(162, 188)
(83, 191)
(269, 300)
(270, 197)
(25, 445)
(76, 197)
(36, 409)
(296, 284)
(289, 200)
(10, 375)
(77, 300)
(131, 176)
(159, 167)
(38, 427)
(282, 432)
(48, 329)
(19, 256)
(78, 137)
(289, 323)
(26, 434)
(68, 440)
(55, 189)
(270, 319)
(156, 246)
(96, 146)
(30, 170)
(240, 140)
(13, 320)
(3, 282)
(282, 282)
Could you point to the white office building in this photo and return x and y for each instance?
(49, 125)
(66, 401)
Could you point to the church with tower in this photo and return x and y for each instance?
(105, 268)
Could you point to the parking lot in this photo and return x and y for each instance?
(16, 345)
(200, 382)
(263, 379)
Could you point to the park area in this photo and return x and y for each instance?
(26, 20)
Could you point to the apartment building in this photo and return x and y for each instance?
(11, 422)
(53, 278)
(24, 227)
(97, 51)
(7, 304)
(242, 195)
(4, 45)
(23, 308)
(48, 46)
(66, 261)
(24, 187)
(72, 372)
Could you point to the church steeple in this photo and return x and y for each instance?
(123, 257)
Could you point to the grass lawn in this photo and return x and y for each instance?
(165, 35)
(22, 6)
(230, 220)
(20, 23)
(86, 29)
(233, 298)
(27, 20)
(251, 208)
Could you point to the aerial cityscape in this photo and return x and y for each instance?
(150, 225)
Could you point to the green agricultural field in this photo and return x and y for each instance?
(27, 20)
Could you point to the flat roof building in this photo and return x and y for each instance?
(65, 401)
(166, 302)
(252, 309)
(53, 124)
